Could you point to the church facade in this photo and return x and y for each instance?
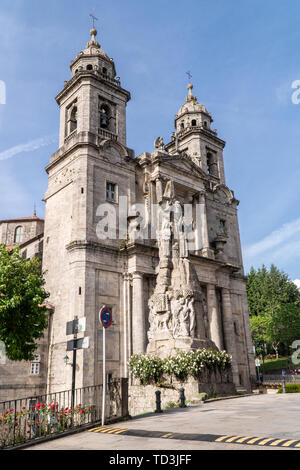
(153, 237)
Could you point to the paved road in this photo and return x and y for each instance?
(257, 418)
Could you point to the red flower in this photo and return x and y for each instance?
(37, 420)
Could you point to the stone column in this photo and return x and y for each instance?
(202, 227)
(215, 327)
(229, 338)
(126, 322)
(138, 314)
(159, 189)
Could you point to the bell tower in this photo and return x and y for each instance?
(93, 100)
(86, 177)
(194, 137)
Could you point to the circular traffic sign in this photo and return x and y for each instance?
(105, 316)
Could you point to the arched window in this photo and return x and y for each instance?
(212, 165)
(73, 119)
(194, 123)
(19, 232)
(182, 126)
(104, 70)
(104, 116)
(205, 123)
(89, 67)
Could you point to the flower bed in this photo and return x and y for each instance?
(41, 420)
(151, 369)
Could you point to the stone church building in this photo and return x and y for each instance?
(105, 240)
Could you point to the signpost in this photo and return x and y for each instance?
(257, 364)
(283, 381)
(74, 327)
(105, 318)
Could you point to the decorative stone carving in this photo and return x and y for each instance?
(159, 143)
(176, 311)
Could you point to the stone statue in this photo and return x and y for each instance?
(176, 310)
(159, 143)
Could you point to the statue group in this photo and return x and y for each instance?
(176, 308)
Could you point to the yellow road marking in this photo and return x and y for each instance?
(254, 440)
(113, 430)
(167, 435)
(99, 429)
(275, 443)
(243, 439)
(232, 438)
(262, 443)
(122, 430)
(288, 443)
(107, 429)
(221, 438)
(297, 445)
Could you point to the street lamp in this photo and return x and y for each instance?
(66, 361)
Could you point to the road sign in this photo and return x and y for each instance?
(105, 316)
(81, 343)
(283, 373)
(257, 362)
(76, 326)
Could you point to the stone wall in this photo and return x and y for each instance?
(142, 398)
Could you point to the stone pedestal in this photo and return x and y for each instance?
(164, 345)
(142, 397)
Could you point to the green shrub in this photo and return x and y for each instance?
(151, 369)
(290, 388)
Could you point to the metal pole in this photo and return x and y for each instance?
(104, 379)
(74, 360)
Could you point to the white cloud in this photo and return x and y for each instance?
(297, 282)
(27, 147)
(277, 237)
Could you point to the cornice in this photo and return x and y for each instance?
(90, 74)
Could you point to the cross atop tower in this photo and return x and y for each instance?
(189, 75)
(94, 19)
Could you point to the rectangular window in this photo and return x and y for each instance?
(111, 191)
(35, 368)
(35, 365)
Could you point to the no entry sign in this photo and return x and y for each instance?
(105, 317)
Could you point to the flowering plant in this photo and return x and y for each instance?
(20, 425)
(150, 369)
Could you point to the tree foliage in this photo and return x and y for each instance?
(274, 304)
(23, 316)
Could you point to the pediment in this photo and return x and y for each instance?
(184, 163)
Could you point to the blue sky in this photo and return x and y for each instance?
(243, 56)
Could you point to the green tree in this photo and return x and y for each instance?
(274, 305)
(23, 316)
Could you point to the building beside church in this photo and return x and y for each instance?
(103, 239)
